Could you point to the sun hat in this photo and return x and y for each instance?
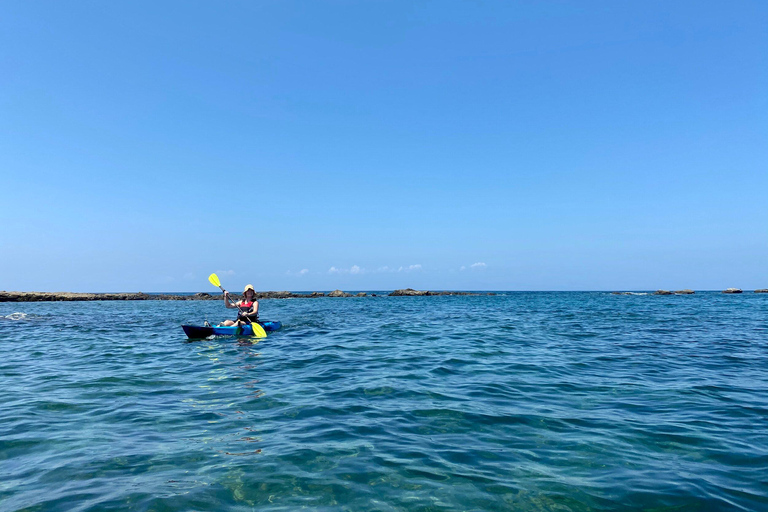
(248, 287)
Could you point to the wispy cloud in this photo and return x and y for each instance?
(300, 273)
(352, 270)
(478, 265)
(303, 271)
(409, 268)
(355, 269)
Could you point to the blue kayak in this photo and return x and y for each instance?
(198, 331)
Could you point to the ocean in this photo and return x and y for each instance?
(540, 401)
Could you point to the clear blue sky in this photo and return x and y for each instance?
(588, 145)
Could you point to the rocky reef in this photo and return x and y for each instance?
(70, 296)
(339, 293)
(410, 292)
(733, 290)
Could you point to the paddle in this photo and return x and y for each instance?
(258, 330)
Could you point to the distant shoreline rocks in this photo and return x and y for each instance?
(410, 292)
(685, 292)
(72, 296)
(406, 292)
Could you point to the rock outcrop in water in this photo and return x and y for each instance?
(70, 296)
(762, 290)
(339, 293)
(663, 292)
(410, 292)
(732, 290)
(685, 292)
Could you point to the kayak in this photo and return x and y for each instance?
(198, 331)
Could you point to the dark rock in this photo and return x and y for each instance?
(663, 292)
(685, 292)
(762, 290)
(339, 293)
(407, 292)
(732, 290)
(361, 294)
(317, 294)
(410, 292)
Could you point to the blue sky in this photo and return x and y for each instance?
(590, 145)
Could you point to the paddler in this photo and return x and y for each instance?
(248, 307)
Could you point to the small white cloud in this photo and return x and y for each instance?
(463, 268)
(385, 268)
(353, 270)
(478, 265)
(409, 268)
(303, 271)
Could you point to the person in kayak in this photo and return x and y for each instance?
(248, 307)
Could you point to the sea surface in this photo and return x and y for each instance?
(519, 401)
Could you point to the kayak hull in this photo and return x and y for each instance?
(197, 331)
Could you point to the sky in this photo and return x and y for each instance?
(375, 145)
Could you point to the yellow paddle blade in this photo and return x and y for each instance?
(214, 279)
(258, 331)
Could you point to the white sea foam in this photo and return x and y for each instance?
(16, 316)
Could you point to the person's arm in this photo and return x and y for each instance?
(227, 302)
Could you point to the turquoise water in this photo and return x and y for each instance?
(521, 401)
